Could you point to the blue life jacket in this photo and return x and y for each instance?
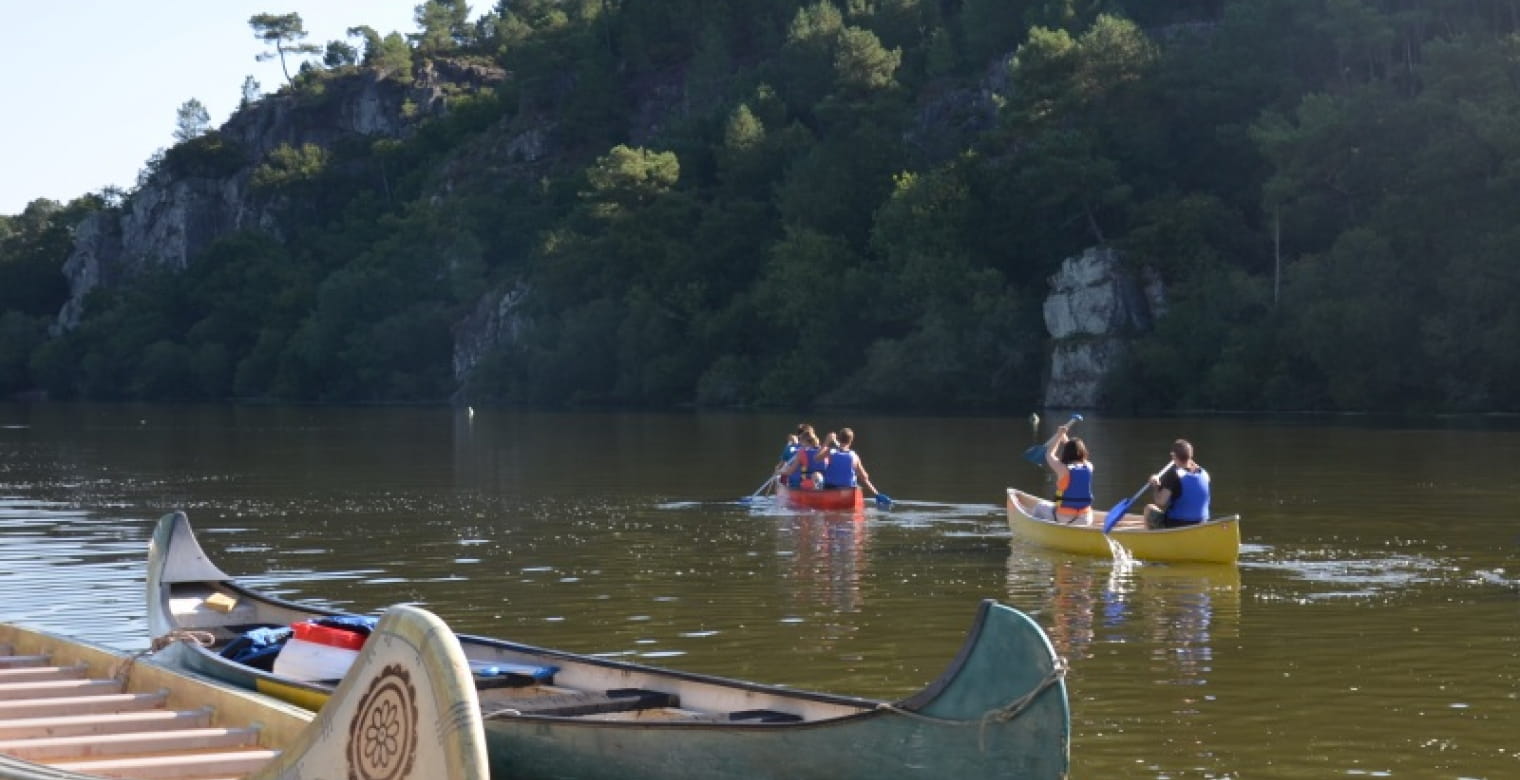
(788, 452)
(814, 464)
(840, 471)
(1077, 494)
(1192, 502)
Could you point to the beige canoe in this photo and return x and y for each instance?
(406, 709)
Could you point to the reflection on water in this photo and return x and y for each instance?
(1178, 610)
(826, 558)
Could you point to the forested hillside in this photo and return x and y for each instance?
(783, 203)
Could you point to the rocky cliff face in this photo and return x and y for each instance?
(171, 218)
(1095, 306)
(495, 321)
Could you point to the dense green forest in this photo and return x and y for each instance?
(856, 203)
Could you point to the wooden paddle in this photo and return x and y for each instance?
(1036, 453)
(1117, 513)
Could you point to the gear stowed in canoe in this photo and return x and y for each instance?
(1214, 541)
(999, 710)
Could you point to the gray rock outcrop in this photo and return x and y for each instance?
(171, 218)
(496, 321)
(1095, 307)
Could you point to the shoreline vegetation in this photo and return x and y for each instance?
(786, 205)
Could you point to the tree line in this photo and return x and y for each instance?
(787, 203)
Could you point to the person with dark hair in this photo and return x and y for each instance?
(803, 470)
(842, 466)
(793, 444)
(1181, 493)
(1067, 458)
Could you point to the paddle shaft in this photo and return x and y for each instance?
(1036, 453)
(1117, 513)
(763, 485)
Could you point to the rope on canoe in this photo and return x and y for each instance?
(121, 668)
(1003, 714)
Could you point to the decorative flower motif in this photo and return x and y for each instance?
(382, 735)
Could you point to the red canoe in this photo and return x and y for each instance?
(834, 499)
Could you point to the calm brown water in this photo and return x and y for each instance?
(1372, 627)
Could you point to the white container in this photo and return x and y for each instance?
(311, 658)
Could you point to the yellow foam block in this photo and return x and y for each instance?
(221, 602)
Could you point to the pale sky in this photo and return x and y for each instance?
(92, 86)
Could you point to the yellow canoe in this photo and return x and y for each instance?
(1216, 541)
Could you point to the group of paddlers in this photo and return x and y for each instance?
(808, 463)
(1181, 491)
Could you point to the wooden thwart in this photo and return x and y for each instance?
(577, 703)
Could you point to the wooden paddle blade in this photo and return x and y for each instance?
(1116, 514)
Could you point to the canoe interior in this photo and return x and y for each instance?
(76, 708)
(576, 686)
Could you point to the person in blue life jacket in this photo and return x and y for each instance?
(1181, 494)
(804, 470)
(792, 445)
(1068, 460)
(842, 465)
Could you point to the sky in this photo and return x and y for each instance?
(92, 87)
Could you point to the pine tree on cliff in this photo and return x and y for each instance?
(283, 31)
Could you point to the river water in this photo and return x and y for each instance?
(1371, 628)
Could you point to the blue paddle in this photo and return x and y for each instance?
(883, 501)
(1117, 513)
(1036, 453)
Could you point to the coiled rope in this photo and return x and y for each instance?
(122, 668)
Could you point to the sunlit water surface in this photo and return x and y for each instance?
(1371, 629)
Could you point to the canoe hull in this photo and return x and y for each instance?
(1217, 541)
(827, 499)
(962, 725)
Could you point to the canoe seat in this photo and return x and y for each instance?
(36, 673)
(55, 749)
(51, 689)
(185, 765)
(575, 704)
(83, 705)
(10, 661)
(103, 723)
(750, 716)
